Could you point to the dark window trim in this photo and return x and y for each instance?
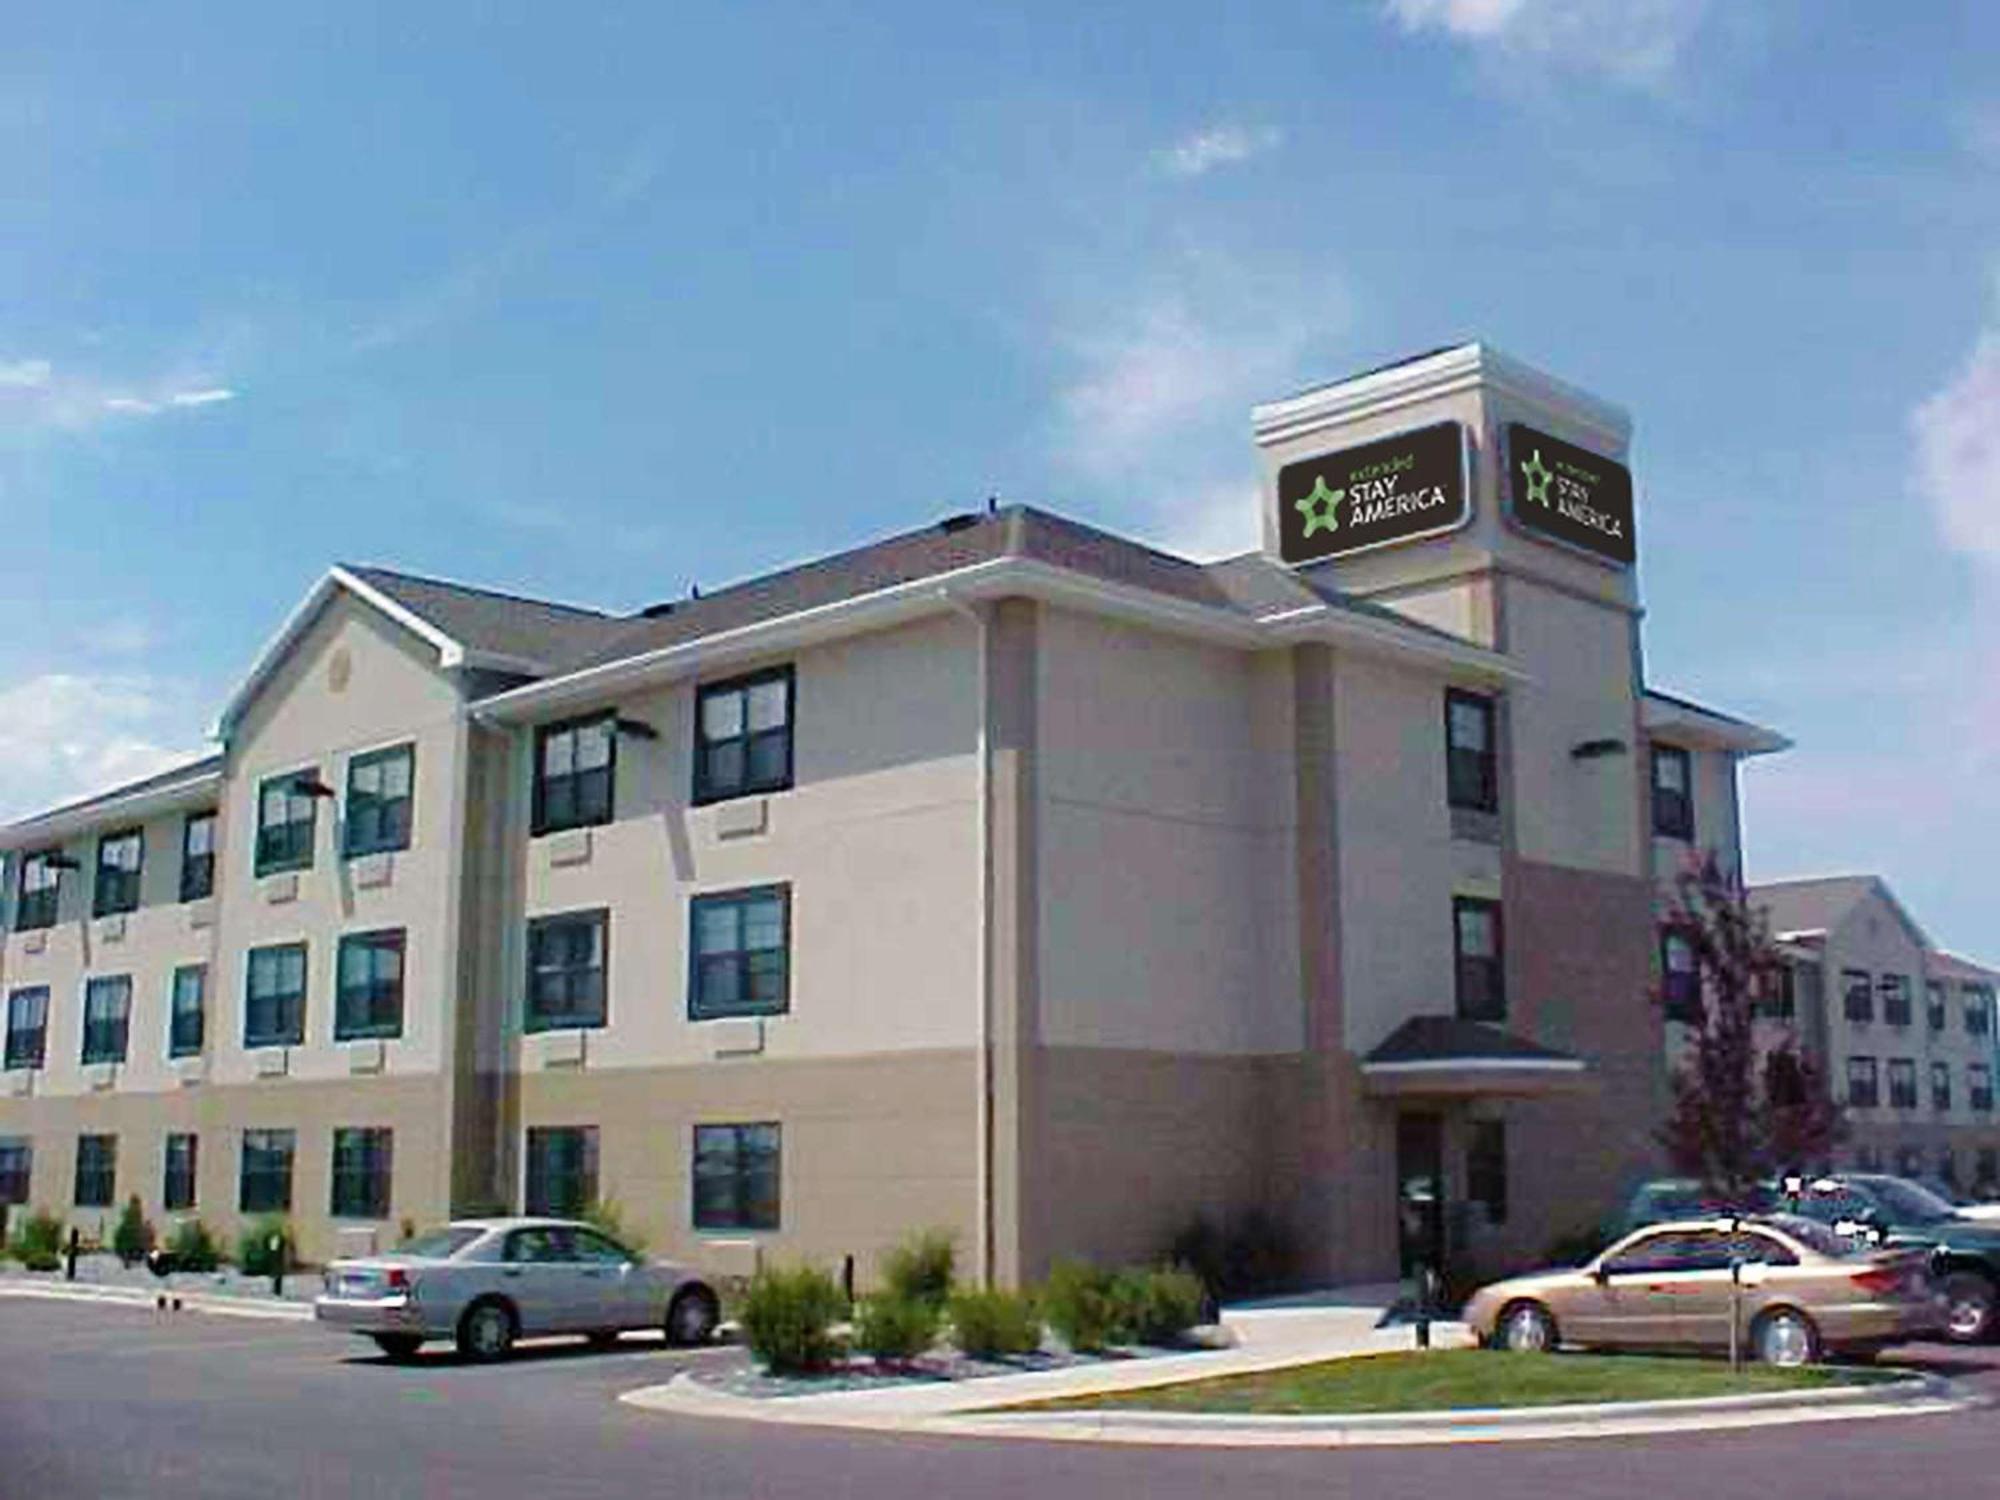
(351, 845)
(21, 1055)
(120, 893)
(1460, 959)
(1857, 1001)
(290, 858)
(345, 1029)
(530, 1022)
(539, 823)
(198, 870)
(46, 902)
(702, 793)
(738, 1219)
(1485, 796)
(1902, 1083)
(536, 1197)
(365, 1191)
(294, 1035)
(697, 1008)
(1673, 811)
(17, 1169)
(102, 1180)
(1897, 1004)
(282, 1143)
(177, 1045)
(1863, 1077)
(1940, 1085)
(178, 1188)
(1676, 1006)
(98, 1046)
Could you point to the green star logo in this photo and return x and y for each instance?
(1321, 507)
(1538, 478)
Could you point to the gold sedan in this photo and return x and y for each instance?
(1800, 1291)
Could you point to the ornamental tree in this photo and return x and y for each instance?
(1747, 1104)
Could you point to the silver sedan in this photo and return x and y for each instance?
(486, 1282)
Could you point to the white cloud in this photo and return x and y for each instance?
(64, 736)
(37, 396)
(208, 397)
(30, 374)
(1957, 437)
(1218, 146)
(1639, 41)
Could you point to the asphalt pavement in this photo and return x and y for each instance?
(103, 1401)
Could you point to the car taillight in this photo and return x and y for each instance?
(398, 1279)
(1880, 1280)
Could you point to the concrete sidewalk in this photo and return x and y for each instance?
(195, 1292)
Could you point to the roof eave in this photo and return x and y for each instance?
(66, 823)
(1707, 731)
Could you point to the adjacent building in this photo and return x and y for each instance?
(1006, 875)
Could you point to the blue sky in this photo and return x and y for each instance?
(596, 302)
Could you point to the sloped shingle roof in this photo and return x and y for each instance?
(531, 631)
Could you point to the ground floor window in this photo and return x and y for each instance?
(17, 1160)
(736, 1176)
(96, 1170)
(266, 1182)
(177, 1190)
(1486, 1168)
(361, 1160)
(561, 1170)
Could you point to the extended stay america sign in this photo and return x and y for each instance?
(1570, 495)
(1392, 490)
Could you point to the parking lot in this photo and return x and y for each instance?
(110, 1401)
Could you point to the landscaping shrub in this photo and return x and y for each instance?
(38, 1241)
(788, 1318)
(1158, 1306)
(605, 1214)
(1252, 1256)
(892, 1328)
(193, 1247)
(988, 1324)
(253, 1250)
(1081, 1305)
(920, 1269)
(134, 1236)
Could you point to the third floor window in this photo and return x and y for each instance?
(1472, 766)
(119, 857)
(743, 736)
(1978, 1010)
(1896, 999)
(1481, 971)
(198, 856)
(285, 812)
(41, 884)
(1934, 1007)
(379, 800)
(575, 767)
(1857, 994)
(1673, 792)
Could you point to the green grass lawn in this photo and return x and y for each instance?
(1461, 1378)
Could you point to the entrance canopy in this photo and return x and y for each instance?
(1443, 1055)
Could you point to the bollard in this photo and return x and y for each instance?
(847, 1279)
(70, 1253)
(276, 1245)
(1424, 1299)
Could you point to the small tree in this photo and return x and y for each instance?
(1742, 1108)
(134, 1236)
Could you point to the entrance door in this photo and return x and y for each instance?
(1420, 1238)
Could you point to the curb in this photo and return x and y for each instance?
(140, 1298)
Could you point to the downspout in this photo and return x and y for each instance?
(983, 1046)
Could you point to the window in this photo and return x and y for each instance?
(41, 885)
(96, 1171)
(1902, 1083)
(379, 800)
(119, 857)
(1978, 1009)
(1486, 1168)
(1680, 976)
(198, 856)
(566, 970)
(1979, 1086)
(1940, 1086)
(1472, 766)
(743, 736)
(285, 810)
(1934, 1003)
(1779, 1000)
(1857, 989)
(266, 1183)
(740, 953)
(562, 1170)
(370, 998)
(574, 765)
(361, 1160)
(1481, 977)
(1896, 999)
(28, 1027)
(274, 999)
(187, 1017)
(107, 1017)
(1861, 1091)
(736, 1176)
(1673, 792)
(17, 1162)
(177, 1181)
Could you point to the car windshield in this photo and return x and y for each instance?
(1910, 1202)
(439, 1244)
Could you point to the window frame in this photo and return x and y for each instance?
(106, 1169)
(532, 1019)
(539, 822)
(17, 1170)
(1483, 795)
(535, 1175)
(1857, 996)
(105, 1039)
(185, 1176)
(363, 1190)
(704, 789)
(1675, 1006)
(197, 882)
(1977, 1003)
(1941, 1086)
(1902, 1082)
(1898, 1006)
(294, 1035)
(1979, 1087)
(281, 1146)
(39, 909)
(398, 836)
(740, 1216)
(1495, 964)
(177, 1045)
(1673, 808)
(1860, 1070)
(114, 890)
(1936, 1004)
(16, 1057)
(346, 1028)
(266, 862)
(699, 1008)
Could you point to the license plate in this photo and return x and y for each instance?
(357, 1284)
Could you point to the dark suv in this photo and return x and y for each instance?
(1965, 1253)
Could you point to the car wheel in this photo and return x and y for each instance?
(1526, 1328)
(692, 1316)
(486, 1332)
(1786, 1339)
(398, 1345)
(1969, 1307)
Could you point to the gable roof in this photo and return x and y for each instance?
(1822, 904)
(1704, 727)
(1943, 965)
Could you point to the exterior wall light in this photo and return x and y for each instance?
(1596, 749)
